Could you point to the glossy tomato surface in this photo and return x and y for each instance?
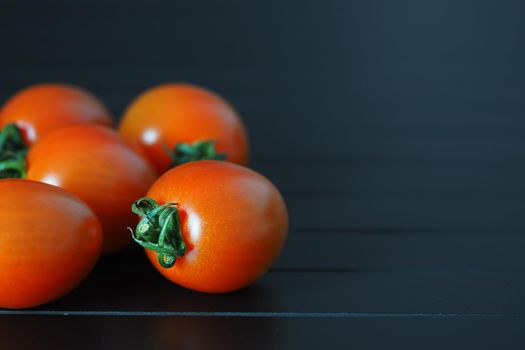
(234, 223)
(44, 108)
(99, 167)
(49, 241)
(172, 113)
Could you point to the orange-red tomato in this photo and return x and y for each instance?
(49, 242)
(43, 108)
(233, 222)
(99, 167)
(170, 114)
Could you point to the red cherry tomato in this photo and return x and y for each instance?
(99, 167)
(49, 242)
(170, 114)
(43, 108)
(233, 224)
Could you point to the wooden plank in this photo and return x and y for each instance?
(108, 333)
(362, 252)
(502, 215)
(396, 178)
(115, 289)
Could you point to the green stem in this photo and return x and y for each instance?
(159, 229)
(12, 168)
(190, 152)
(13, 151)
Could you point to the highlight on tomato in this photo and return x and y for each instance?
(179, 123)
(92, 162)
(42, 108)
(212, 226)
(50, 242)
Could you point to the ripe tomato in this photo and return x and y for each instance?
(232, 221)
(99, 167)
(43, 108)
(163, 117)
(49, 242)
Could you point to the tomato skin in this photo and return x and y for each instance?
(234, 223)
(99, 167)
(172, 113)
(49, 242)
(43, 108)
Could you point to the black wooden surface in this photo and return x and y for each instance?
(395, 130)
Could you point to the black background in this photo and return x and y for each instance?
(393, 128)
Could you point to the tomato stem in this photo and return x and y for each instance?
(159, 229)
(13, 151)
(190, 152)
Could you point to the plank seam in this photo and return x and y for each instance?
(257, 314)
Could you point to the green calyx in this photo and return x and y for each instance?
(198, 150)
(13, 152)
(159, 229)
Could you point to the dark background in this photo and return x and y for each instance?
(394, 129)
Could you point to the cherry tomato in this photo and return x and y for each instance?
(49, 242)
(99, 167)
(43, 108)
(175, 116)
(226, 223)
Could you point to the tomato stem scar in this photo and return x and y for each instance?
(190, 152)
(159, 229)
(13, 151)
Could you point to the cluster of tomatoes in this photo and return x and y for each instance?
(71, 185)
